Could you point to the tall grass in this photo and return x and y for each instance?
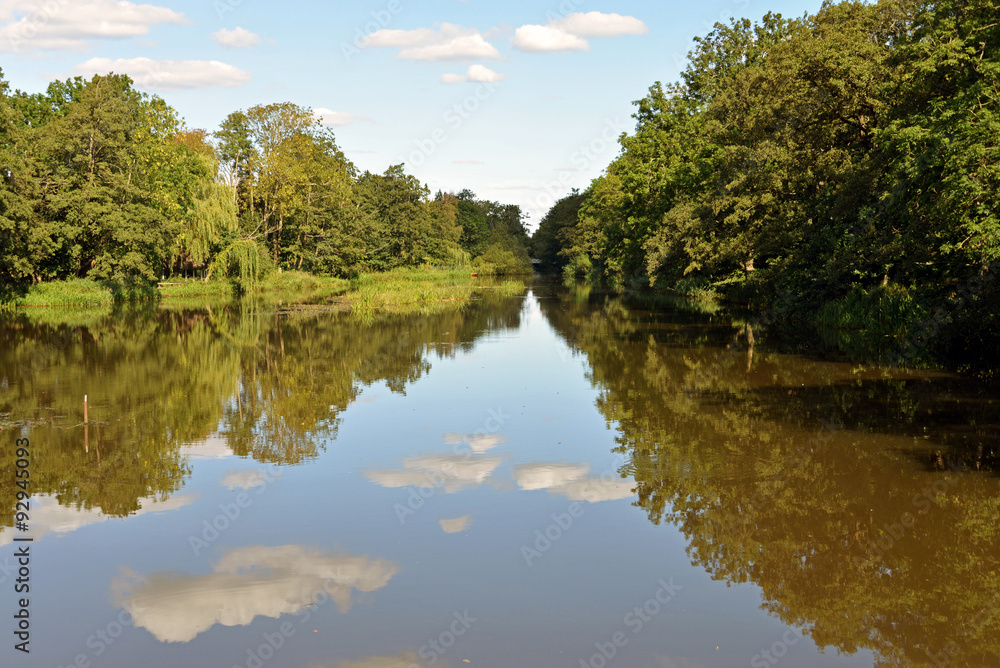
(185, 289)
(410, 289)
(296, 284)
(882, 324)
(395, 289)
(74, 292)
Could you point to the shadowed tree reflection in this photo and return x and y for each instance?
(863, 502)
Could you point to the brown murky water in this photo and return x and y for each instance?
(562, 478)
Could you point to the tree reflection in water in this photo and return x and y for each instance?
(863, 502)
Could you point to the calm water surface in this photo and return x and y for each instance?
(561, 478)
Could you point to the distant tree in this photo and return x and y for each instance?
(552, 241)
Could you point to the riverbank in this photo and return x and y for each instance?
(396, 289)
(82, 292)
(947, 327)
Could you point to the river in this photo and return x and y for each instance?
(565, 477)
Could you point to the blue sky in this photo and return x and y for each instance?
(518, 101)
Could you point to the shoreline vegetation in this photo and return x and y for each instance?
(400, 288)
(100, 182)
(837, 170)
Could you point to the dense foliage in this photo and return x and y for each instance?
(100, 181)
(849, 151)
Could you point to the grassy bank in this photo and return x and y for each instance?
(81, 292)
(422, 289)
(368, 292)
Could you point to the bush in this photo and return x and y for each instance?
(500, 261)
(579, 266)
(883, 323)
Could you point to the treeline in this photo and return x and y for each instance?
(98, 180)
(851, 158)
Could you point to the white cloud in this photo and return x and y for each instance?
(169, 74)
(477, 73)
(571, 32)
(483, 74)
(544, 476)
(476, 442)
(539, 39)
(400, 38)
(449, 472)
(459, 48)
(247, 582)
(456, 525)
(596, 24)
(467, 161)
(33, 25)
(572, 481)
(449, 42)
(246, 478)
(212, 447)
(331, 117)
(48, 516)
(238, 38)
(595, 490)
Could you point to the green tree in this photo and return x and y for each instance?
(104, 187)
(396, 203)
(473, 221)
(551, 242)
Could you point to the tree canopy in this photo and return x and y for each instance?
(99, 180)
(848, 150)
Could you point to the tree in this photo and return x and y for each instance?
(396, 203)
(18, 255)
(555, 234)
(473, 221)
(105, 180)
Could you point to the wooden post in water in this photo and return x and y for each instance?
(85, 420)
(86, 427)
